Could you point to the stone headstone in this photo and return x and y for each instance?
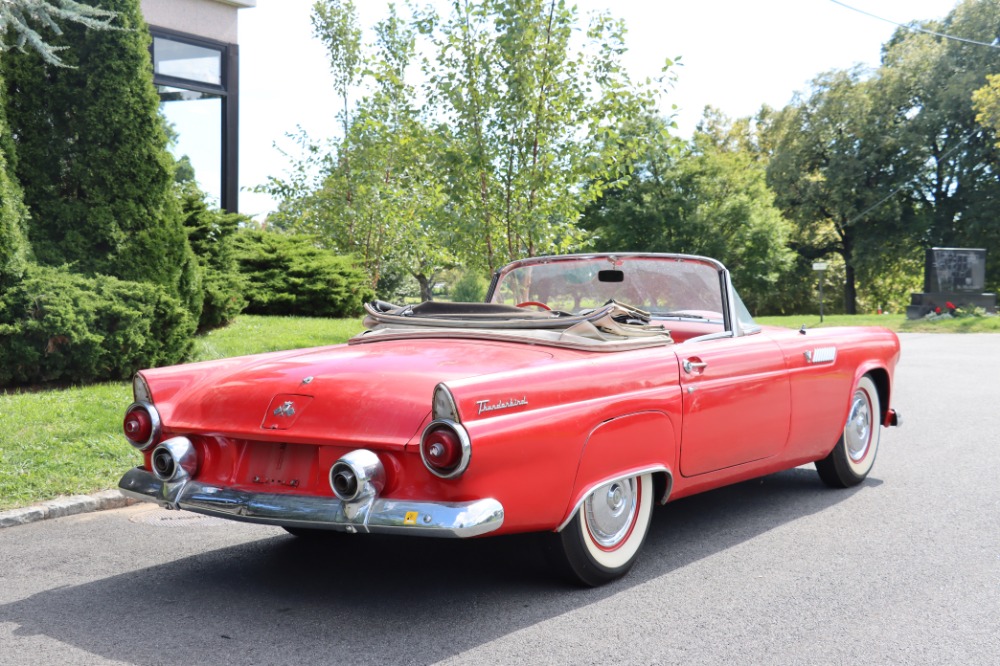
(953, 275)
(952, 269)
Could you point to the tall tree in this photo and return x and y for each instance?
(496, 157)
(838, 171)
(986, 102)
(708, 197)
(535, 123)
(957, 188)
(14, 250)
(379, 195)
(91, 156)
(20, 19)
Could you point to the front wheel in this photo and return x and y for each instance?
(602, 541)
(853, 456)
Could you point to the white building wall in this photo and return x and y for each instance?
(212, 19)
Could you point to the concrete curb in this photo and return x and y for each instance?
(64, 506)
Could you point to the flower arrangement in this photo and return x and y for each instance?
(952, 311)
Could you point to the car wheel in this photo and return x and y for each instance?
(603, 539)
(853, 456)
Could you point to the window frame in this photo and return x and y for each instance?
(227, 91)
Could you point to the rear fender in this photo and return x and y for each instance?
(625, 446)
(880, 375)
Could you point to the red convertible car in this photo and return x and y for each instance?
(585, 390)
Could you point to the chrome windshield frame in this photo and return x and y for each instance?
(731, 322)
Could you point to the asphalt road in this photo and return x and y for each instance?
(903, 569)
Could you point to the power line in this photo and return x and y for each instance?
(914, 28)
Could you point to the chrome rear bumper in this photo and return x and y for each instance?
(371, 515)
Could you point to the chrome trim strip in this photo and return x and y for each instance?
(140, 389)
(615, 477)
(711, 336)
(821, 355)
(381, 515)
(443, 405)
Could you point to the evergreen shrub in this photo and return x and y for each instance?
(470, 288)
(90, 153)
(211, 233)
(292, 275)
(57, 326)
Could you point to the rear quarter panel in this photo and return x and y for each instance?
(585, 420)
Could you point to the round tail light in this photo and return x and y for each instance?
(445, 449)
(141, 425)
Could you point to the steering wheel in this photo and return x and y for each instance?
(535, 303)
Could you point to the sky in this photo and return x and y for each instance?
(736, 55)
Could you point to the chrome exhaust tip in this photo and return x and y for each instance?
(357, 475)
(174, 459)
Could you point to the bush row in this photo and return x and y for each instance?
(57, 326)
(292, 275)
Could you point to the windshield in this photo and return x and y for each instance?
(660, 285)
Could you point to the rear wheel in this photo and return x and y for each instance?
(602, 541)
(853, 456)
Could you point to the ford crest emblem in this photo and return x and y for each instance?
(287, 409)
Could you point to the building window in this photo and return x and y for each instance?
(197, 80)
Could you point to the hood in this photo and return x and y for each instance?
(372, 394)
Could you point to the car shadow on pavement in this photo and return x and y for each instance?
(379, 599)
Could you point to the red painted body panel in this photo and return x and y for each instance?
(736, 408)
(547, 424)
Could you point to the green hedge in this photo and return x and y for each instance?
(289, 275)
(57, 326)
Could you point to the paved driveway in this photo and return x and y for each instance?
(903, 569)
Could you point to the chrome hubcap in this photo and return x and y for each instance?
(857, 434)
(610, 512)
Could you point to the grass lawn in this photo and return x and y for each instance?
(894, 322)
(68, 441)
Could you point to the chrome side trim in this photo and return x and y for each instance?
(821, 355)
(443, 406)
(140, 389)
(639, 472)
(381, 515)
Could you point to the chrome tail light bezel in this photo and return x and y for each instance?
(464, 442)
(156, 425)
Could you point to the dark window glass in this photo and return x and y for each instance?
(187, 61)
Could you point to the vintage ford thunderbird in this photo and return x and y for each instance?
(585, 390)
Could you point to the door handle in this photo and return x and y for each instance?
(690, 366)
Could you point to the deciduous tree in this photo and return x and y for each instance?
(839, 172)
(957, 188)
(706, 197)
